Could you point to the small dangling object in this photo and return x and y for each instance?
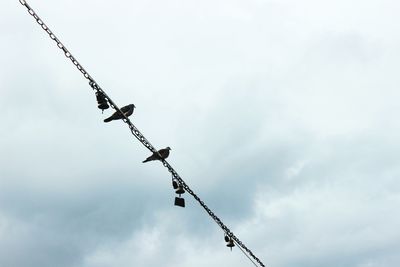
(103, 106)
(101, 101)
(226, 238)
(180, 190)
(175, 184)
(230, 243)
(180, 202)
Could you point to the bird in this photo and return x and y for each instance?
(127, 110)
(159, 155)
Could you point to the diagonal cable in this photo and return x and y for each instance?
(139, 136)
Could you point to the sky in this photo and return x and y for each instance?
(281, 115)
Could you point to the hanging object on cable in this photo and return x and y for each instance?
(127, 110)
(175, 184)
(230, 244)
(180, 190)
(179, 201)
(101, 101)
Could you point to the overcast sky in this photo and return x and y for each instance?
(283, 116)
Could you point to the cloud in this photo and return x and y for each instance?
(281, 115)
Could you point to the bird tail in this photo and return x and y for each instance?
(108, 119)
(152, 157)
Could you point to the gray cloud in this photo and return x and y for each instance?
(281, 115)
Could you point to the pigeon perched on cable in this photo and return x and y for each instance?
(160, 155)
(127, 110)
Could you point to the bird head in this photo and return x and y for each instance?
(168, 148)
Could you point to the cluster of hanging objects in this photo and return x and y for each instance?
(101, 101)
(179, 201)
(104, 102)
(229, 242)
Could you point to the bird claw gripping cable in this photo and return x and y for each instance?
(139, 136)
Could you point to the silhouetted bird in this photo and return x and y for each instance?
(127, 110)
(164, 153)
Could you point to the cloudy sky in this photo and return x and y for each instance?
(281, 115)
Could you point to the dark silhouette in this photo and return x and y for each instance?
(101, 101)
(162, 154)
(127, 110)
